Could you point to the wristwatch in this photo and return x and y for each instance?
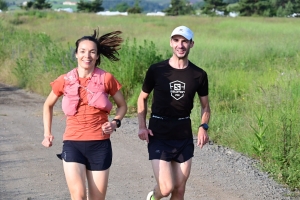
(118, 122)
(204, 126)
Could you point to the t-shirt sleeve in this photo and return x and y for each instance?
(58, 85)
(149, 82)
(112, 85)
(203, 86)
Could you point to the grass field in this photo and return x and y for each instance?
(252, 64)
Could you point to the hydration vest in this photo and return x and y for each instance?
(96, 95)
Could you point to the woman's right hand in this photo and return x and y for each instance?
(47, 118)
(47, 142)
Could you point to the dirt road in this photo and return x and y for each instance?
(30, 171)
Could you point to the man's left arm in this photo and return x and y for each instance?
(203, 127)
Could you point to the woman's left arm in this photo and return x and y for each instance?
(109, 127)
(121, 105)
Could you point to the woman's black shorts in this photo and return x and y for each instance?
(171, 150)
(95, 155)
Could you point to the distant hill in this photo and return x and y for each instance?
(116, 1)
(147, 5)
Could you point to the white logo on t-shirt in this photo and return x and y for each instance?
(177, 89)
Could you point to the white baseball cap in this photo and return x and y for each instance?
(183, 31)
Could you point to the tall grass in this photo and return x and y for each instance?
(252, 64)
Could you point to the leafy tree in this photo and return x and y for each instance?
(199, 5)
(28, 5)
(179, 7)
(296, 6)
(211, 6)
(96, 6)
(263, 8)
(279, 4)
(91, 7)
(3, 5)
(280, 12)
(284, 8)
(231, 1)
(82, 6)
(280, 8)
(37, 4)
(248, 7)
(41, 4)
(289, 8)
(121, 7)
(136, 8)
(188, 9)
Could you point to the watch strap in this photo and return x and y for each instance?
(204, 126)
(118, 122)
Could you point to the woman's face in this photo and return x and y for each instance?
(86, 54)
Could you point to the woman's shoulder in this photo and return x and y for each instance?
(58, 85)
(109, 76)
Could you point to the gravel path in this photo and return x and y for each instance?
(29, 171)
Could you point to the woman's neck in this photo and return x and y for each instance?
(84, 73)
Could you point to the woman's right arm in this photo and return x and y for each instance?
(47, 118)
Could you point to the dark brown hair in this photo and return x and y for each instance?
(107, 45)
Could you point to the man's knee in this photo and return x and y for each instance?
(78, 196)
(166, 190)
(179, 191)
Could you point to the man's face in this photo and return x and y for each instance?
(181, 46)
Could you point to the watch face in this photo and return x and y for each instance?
(205, 126)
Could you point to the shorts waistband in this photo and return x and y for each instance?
(169, 118)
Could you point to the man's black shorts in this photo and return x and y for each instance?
(171, 129)
(95, 155)
(171, 150)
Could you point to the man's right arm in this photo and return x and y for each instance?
(142, 109)
(142, 113)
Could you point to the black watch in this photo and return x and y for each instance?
(204, 126)
(118, 122)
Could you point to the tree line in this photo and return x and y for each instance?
(266, 8)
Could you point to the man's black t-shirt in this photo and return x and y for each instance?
(173, 95)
